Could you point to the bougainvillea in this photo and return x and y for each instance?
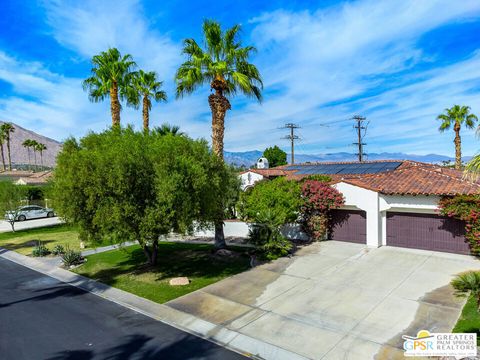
(466, 208)
(319, 199)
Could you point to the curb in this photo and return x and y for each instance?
(220, 335)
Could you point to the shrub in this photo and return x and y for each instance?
(319, 199)
(58, 250)
(71, 257)
(40, 250)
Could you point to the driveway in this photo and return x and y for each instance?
(42, 318)
(29, 224)
(337, 300)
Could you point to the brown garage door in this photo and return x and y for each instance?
(348, 225)
(427, 232)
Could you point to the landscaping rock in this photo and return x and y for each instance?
(179, 281)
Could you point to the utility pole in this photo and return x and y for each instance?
(361, 132)
(292, 137)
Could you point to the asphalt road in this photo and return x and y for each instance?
(42, 318)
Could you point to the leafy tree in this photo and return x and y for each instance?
(269, 205)
(167, 129)
(11, 197)
(7, 129)
(124, 185)
(275, 156)
(146, 87)
(111, 77)
(455, 117)
(224, 65)
(468, 284)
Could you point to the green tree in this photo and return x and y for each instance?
(468, 284)
(11, 197)
(145, 88)
(111, 77)
(275, 156)
(455, 117)
(124, 185)
(224, 65)
(167, 129)
(7, 129)
(41, 148)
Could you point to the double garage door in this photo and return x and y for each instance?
(408, 230)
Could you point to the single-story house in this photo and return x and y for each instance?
(393, 203)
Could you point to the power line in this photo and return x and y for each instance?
(361, 128)
(292, 137)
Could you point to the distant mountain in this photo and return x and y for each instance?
(19, 153)
(249, 158)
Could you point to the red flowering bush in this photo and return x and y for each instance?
(319, 199)
(466, 208)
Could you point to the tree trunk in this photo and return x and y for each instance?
(9, 155)
(35, 157)
(115, 105)
(29, 162)
(151, 254)
(458, 147)
(3, 158)
(219, 105)
(146, 115)
(41, 159)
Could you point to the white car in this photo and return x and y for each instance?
(29, 212)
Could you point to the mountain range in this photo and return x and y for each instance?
(246, 158)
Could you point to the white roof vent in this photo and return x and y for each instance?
(262, 163)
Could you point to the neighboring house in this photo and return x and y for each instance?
(392, 203)
(39, 178)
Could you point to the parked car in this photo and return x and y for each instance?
(29, 212)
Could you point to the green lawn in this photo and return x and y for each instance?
(125, 269)
(23, 241)
(469, 321)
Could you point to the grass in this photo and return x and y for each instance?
(125, 269)
(23, 241)
(469, 321)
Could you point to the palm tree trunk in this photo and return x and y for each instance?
(219, 105)
(41, 158)
(28, 152)
(3, 158)
(9, 155)
(35, 157)
(115, 105)
(458, 147)
(146, 115)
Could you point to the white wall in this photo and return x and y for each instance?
(409, 203)
(249, 178)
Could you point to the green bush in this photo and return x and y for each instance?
(71, 257)
(40, 250)
(269, 205)
(58, 250)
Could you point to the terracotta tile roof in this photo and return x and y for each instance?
(414, 178)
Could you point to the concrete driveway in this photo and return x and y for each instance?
(337, 300)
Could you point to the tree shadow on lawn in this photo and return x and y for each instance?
(25, 244)
(193, 261)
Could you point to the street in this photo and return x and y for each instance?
(42, 318)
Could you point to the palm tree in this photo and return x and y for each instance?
(41, 148)
(468, 284)
(456, 116)
(111, 77)
(166, 129)
(145, 88)
(34, 146)
(28, 144)
(224, 65)
(2, 151)
(7, 130)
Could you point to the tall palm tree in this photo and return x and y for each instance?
(224, 65)
(166, 129)
(145, 88)
(457, 116)
(111, 77)
(34, 145)
(468, 284)
(2, 151)
(41, 148)
(27, 144)
(8, 129)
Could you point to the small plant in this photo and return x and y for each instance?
(468, 284)
(40, 250)
(71, 257)
(58, 250)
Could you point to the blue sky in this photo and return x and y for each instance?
(397, 62)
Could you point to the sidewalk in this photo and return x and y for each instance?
(181, 320)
